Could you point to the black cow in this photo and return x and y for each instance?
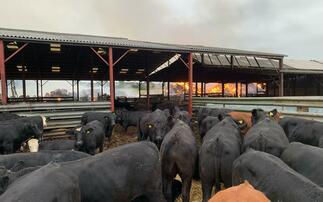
(289, 124)
(14, 132)
(129, 118)
(39, 158)
(90, 137)
(203, 112)
(5, 116)
(178, 156)
(45, 185)
(106, 118)
(57, 145)
(182, 115)
(221, 146)
(269, 174)
(120, 174)
(207, 123)
(265, 134)
(304, 131)
(153, 126)
(306, 160)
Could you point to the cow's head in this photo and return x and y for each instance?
(109, 123)
(88, 140)
(33, 145)
(119, 116)
(257, 115)
(157, 126)
(34, 129)
(274, 114)
(76, 133)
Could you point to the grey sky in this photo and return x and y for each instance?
(292, 27)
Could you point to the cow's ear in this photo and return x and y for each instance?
(273, 112)
(89, 131)
(254, 112)
(220, 117)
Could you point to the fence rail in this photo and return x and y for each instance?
(59, 116)
(302, 107)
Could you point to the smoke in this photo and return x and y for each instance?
(291, 27)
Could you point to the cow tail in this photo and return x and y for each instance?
(218, 154)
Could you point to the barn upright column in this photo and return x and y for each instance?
(148, 94)
(78, 90)
(3, 75)
(281, 78)
(111, 79)
(92, 92)
(190, 82)
(168, 90)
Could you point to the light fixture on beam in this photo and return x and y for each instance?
(22, 68)
(133, 50)
(101, 51)
(140, 70)
(55, 47)
(56, 69)
(95, 69)
(12, 45)
(124, 70)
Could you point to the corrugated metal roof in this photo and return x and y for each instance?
(27, 35)
(303, 64)
(290, 65)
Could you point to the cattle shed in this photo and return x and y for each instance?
(43, 56)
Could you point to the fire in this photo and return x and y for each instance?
(180, 88)
(216, 88)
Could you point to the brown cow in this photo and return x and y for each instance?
(241, 193)
(246, 118)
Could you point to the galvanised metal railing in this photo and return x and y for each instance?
(302, 107)
(59, 115)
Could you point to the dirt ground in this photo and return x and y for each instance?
(120, 137)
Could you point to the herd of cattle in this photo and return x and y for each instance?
(278, 156)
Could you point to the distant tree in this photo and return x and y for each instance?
(58, 93)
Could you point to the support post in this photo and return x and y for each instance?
(41, 90)
(23, 84)
(139, 89)
(202, 91)
(196, 89)
(102, 90)
(78, 90)
(294, 86)
(92, 92)
(111, 79)
(190, 83)
(247, 89)
(168, 91)
(148, 96)
(205, 92)
(163, 89)
(73, 89)
(281, 78)
(4, 96)
(37, 90)
(237, 94)
(222, 88)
